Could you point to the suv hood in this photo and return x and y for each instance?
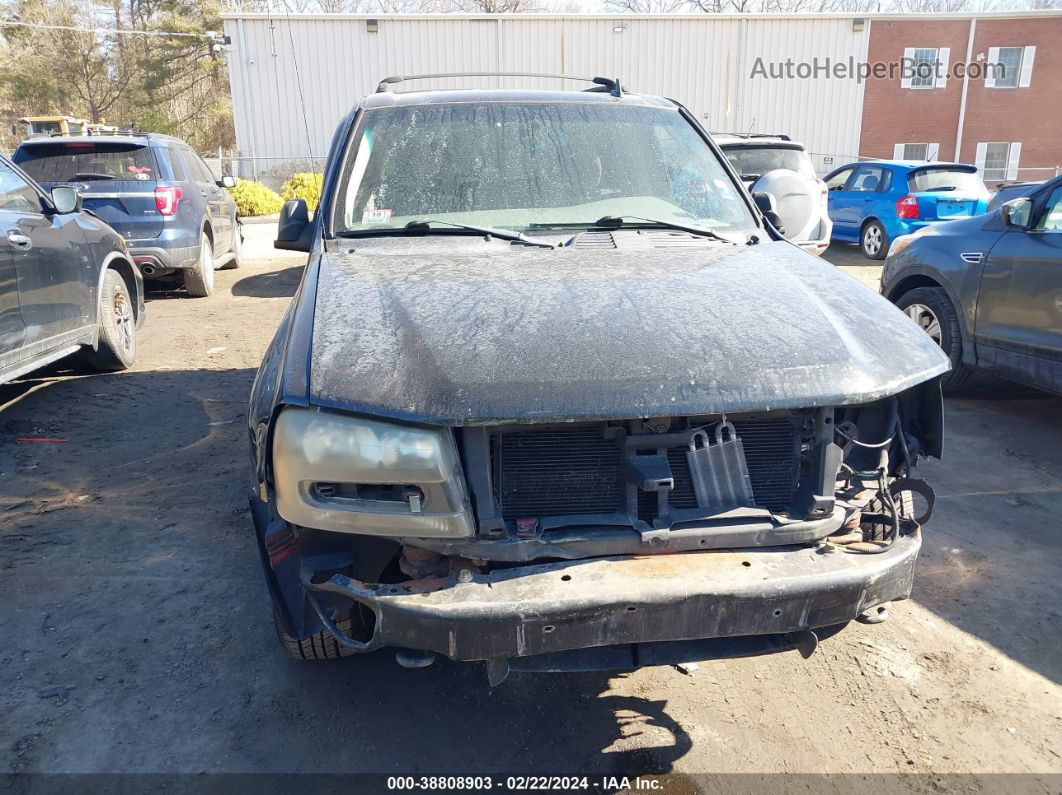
(517, 335)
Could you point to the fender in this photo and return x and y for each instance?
(890, 291)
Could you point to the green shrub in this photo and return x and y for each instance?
(303, 186)
(254, 199)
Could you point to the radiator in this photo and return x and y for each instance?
(557, 471)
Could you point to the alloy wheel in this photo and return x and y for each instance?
(924, 317)
(872, 239)
(123, 319)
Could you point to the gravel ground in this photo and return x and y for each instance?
(138, 635)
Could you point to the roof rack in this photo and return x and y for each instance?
(780, 136)
(610, 84)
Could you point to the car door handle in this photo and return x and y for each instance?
(19, 240)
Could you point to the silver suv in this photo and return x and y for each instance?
(776, 165)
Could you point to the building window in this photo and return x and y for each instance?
(925, 68)
(1009, 67)
(915, 151)
(920, 153)
(996, 157)
(998, 160)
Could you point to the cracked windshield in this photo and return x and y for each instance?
(523, 166)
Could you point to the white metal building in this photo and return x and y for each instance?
(294, 76)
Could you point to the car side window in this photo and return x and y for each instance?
(867, 179)
(177, 163)
(837, 181)
(1051, 218)
(16, 194)
(201, 171)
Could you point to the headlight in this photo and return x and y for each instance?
(900, 243)
(353, 475)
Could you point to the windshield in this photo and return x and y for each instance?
(758, 160)
(514, 165)
(64, 162)
(929, 179)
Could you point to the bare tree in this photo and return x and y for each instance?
(647, 6)
(494, 6)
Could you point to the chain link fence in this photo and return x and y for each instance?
(272, 172)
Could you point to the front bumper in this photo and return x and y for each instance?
(910, 227)
(554, 607)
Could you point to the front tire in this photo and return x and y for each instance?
(116, 348)
(323, 645)
(873, 241)
(933, 311)
(199, 279)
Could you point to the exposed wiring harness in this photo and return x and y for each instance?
(893, 513)
(881, 475)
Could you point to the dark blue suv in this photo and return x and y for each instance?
(177, 218)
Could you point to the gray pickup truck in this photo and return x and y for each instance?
(555, 394)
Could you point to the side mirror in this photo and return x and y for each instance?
(767, 205)
(66, 199)
(227, 182)
(1017, 213)
(294, 228)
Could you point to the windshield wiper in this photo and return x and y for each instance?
(93, 175)
(616, 221)
(424, 226)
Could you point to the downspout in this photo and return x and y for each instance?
(965, 88)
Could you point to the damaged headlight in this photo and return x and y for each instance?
(354, 475)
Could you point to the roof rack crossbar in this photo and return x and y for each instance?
(605, 83)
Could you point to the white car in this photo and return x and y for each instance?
(776, 165)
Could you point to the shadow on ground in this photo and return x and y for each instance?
(276, 284)
(991, 554)
(141, 632)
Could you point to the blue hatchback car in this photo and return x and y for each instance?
(874, 202)
(179, 222)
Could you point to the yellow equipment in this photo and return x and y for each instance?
(53, 125)
(64, 125)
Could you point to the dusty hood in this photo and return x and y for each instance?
(507, 334)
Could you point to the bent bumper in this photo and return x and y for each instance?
(546, 608)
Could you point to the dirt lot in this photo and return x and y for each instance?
(137, 632)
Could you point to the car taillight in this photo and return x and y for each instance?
(824, 193)
(907, 208)
(166, 200)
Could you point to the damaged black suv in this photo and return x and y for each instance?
(555, 393)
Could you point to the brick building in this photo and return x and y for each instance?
(1001, 113)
